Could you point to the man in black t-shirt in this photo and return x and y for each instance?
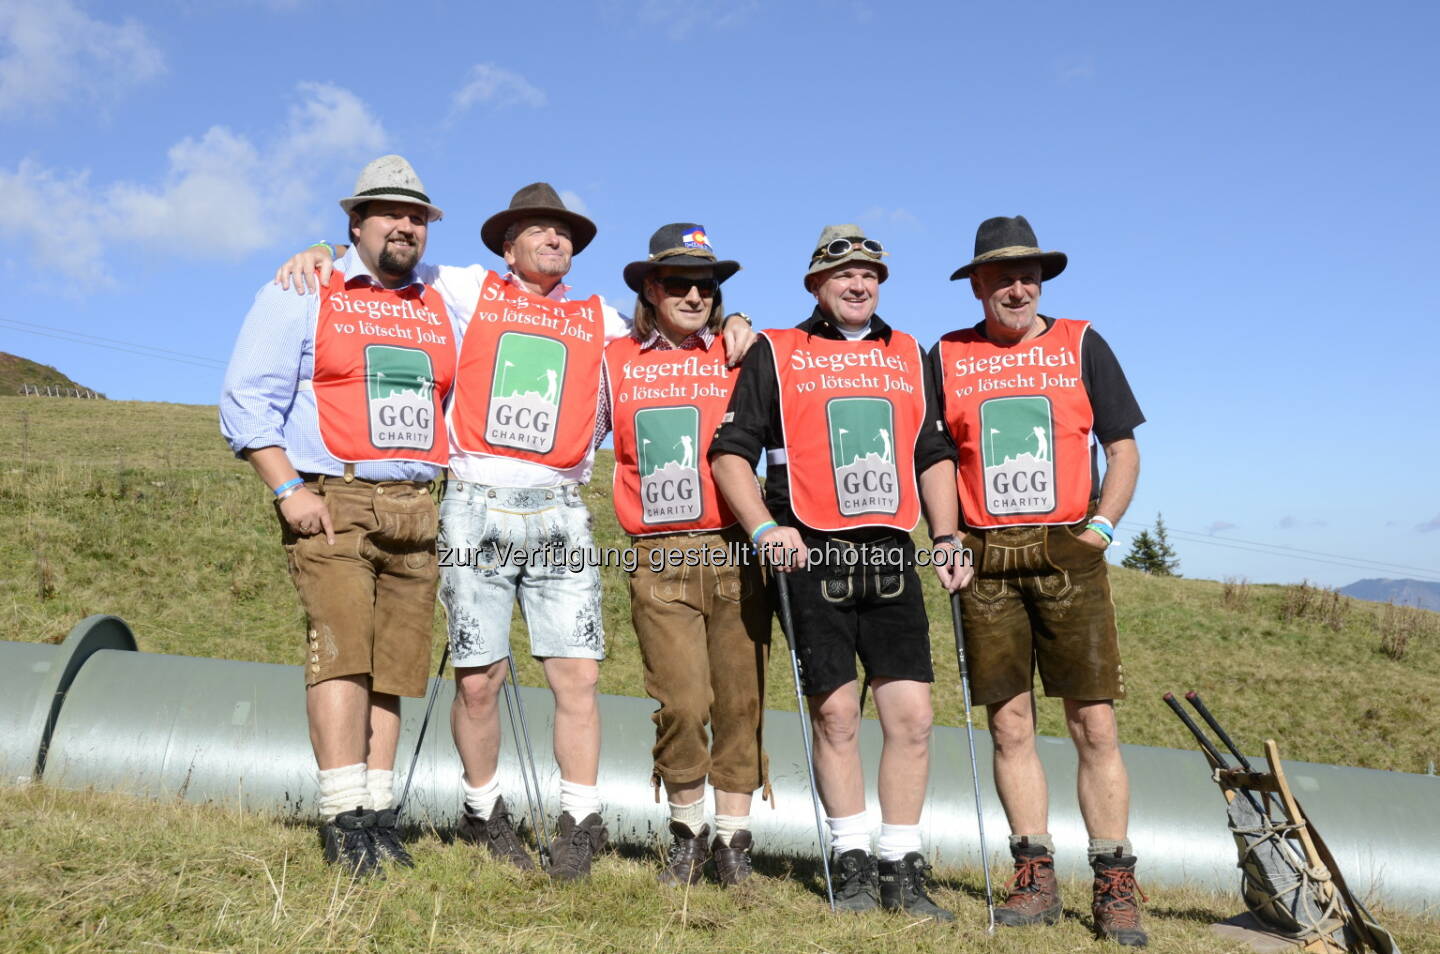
(1023, 395)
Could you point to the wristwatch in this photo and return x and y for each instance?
(741, 315)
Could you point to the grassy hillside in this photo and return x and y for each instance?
(16, 371)
(139, 510)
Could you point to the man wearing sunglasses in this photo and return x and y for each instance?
(1022, 395)
(854, 447)
(525, 418)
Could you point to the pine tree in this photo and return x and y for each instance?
(1152, 553)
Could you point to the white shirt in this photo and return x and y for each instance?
(460, 289)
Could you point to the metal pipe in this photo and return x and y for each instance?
(235, 732)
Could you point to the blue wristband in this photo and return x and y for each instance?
(294, 482)
(1103, 530)
(761, 530)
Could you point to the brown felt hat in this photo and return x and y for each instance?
(1003, 239)
(822, 261)
(681, 244)
(536, 199)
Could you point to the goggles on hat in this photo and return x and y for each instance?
(677, 286)
(839, 248)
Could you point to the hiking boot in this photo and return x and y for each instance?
(1117, 913)
(497, 834)
(1034, 894)
(902, 888)
(732, 861)
(347, 841)
(574, 845)
(855, 881)
(685, 862)
(385, 840)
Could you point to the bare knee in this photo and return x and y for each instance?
(575, 683)
(1093, 727)
(476, 689)
(837, 718)
(1012, 727)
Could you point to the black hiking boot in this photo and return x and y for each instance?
(385, 840)
(902, 888)
(1034, 892)
(497, 835)
(685, 862)
(855, 881)
(347, 841)
(732, 861)
(1117, 913)
(574, 845)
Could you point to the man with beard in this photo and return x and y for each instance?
(526, 417)
(336, 401)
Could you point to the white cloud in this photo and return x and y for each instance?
(680, 20)
(899, 218)
(573, 202)
(488, 84)
(221, 195)
(52, 52)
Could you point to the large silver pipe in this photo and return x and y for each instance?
(235, 732)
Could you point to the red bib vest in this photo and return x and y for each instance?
(384, 362)
(1021, 418)
(851, 412)
(529, 377)
(665, 405)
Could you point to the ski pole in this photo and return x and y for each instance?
(1194, 699)
(787, 626)
(424, 723)
(528, 775)
(1195, 730)
(974, 764)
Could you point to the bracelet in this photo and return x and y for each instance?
(289, 493)
(326, 246)
(742, 316)
(290, 485)
(1103, 530)
(1103, 520)
(759, 531)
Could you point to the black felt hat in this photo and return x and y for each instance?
(536, 199)
(1002, 239)
(679, 244)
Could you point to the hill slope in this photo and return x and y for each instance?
(1421, 593)
(16, 371)
(140, 510)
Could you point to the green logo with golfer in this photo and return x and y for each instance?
(399, 392)
(667, 441)
(525, 392)
(862, 454)
(1015, 444)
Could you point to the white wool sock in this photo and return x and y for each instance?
(342, 789)
(480, 801)
(897, 841)
(692, 816)
(849, 833)
(381, 783)
(727, 825)
(579, 800)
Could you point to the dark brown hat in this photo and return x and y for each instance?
(682, 244)
(1003, 239)
(536, 199)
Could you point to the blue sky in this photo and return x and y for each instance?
(1247, 194)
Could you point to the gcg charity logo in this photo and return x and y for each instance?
(525, 392)
(400, 384)
(862, 452)
(1015, 444)
(667, 441)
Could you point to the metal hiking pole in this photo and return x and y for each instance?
(974, 764)
(787, 626)
(424, 723)
(528, 775)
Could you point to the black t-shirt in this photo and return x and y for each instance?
(752, 421)
(1113, 404)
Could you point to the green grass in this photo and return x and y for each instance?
(139, 510)
(87, 872)
(16, 372)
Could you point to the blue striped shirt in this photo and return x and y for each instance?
(263, 405)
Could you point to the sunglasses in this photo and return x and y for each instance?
(842, 247)
(678, 287)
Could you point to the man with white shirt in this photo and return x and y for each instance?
(512, 520)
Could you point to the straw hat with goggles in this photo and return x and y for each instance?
(840, 244)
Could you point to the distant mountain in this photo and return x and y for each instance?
(1419, 593)
(16, 372)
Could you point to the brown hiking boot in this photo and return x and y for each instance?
(685, 862)
(574, 844)
(732, 861)
(497, 835)
(1117, 913)
(1034, 893)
